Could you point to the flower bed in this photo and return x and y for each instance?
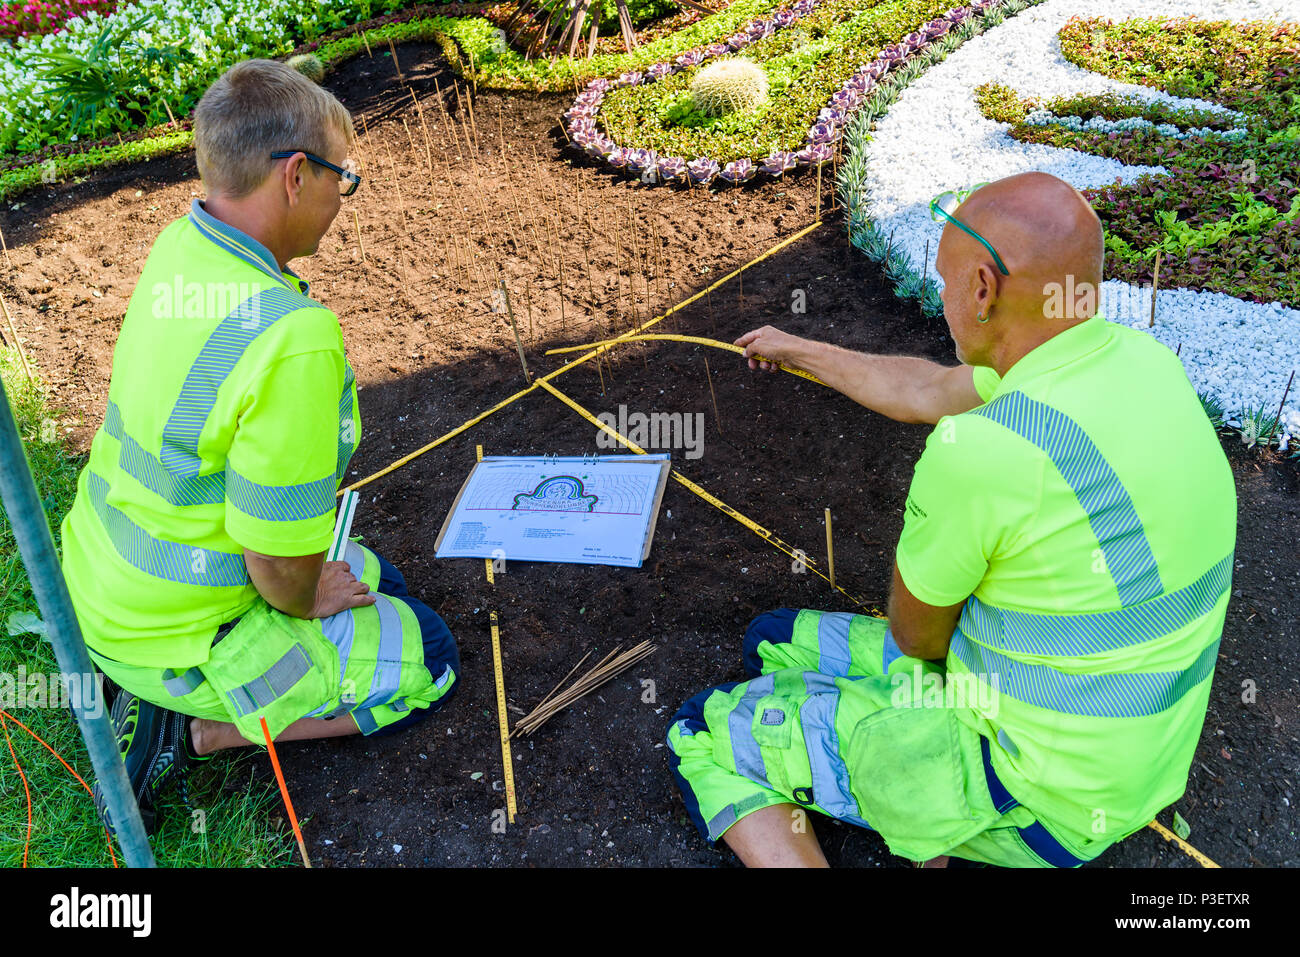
(165, 64)
(37, 17)
(1238, 354)
(812, 54)
(1233, 224)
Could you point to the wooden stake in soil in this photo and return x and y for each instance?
(1155, 286)
(4, 246)
(1277, 421)
(13, 334)
(360, 245)
(510, 314)
(170, 115)
(709, 376)
(819, 193)
(612, 665)
(369, 52)
(925, 264)
(830, 550)
(396, 66)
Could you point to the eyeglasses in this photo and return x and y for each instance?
(946, 204)
(348, 180)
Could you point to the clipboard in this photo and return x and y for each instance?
(496, 511)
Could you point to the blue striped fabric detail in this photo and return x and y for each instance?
(744, 749)
(339, 630)
(388, 668)
(1101, 494)
(224, 348)
(998, 793)
(234, 241)
(356, 559)
(1115, 695)
(345, 414)
(834, 657)
(158, 557)
(281, 503)
(830, 775)
(145, 468)
(1087, 634)
(891, 653)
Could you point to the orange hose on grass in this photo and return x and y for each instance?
(18, 764)
(107, 837)
(284, 793)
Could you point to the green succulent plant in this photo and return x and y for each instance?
(733, 85)
(309, 65)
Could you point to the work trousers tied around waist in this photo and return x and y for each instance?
(388, 665)
(831, 721)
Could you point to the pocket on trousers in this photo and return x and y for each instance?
(267, 667)
(908, 776)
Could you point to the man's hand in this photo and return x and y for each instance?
(901, 387)
(305, 586)
(771, 343)
(338, 590)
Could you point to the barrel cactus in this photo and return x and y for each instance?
(729, 86)
(309, 65)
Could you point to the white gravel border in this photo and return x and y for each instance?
(935, 138)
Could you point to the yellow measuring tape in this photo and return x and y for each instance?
(503, 719)
(697, 340)
(1192, 852)
(576, 362)
(767, 535)
(502, 722)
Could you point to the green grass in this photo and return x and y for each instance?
(236, 800)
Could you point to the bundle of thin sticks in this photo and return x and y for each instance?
(611, 665)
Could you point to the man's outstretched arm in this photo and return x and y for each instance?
(901, 387)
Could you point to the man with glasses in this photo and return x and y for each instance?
(194, 552)
(1038, 689)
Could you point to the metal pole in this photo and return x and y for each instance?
(18, 493)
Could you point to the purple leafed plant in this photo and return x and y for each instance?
(738, 171)
(779, 163)
(738, 41)
(671, 168)
(702, 171)
(639, 160)
(817, 153)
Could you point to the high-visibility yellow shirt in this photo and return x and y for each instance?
(232, 415)
(1089, 513)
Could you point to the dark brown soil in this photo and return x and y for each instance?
(430, 352)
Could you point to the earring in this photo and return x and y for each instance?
(982, 318)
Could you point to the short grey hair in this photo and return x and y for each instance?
(255, 108)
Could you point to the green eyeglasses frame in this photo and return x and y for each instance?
(960, 195)
(352, 179)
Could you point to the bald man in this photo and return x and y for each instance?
(1038, 689)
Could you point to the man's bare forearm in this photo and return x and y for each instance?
(288, 584)
(900, 387)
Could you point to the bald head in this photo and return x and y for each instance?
(1041, 226)
(1050, 240)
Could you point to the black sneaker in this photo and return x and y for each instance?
(154, 744)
